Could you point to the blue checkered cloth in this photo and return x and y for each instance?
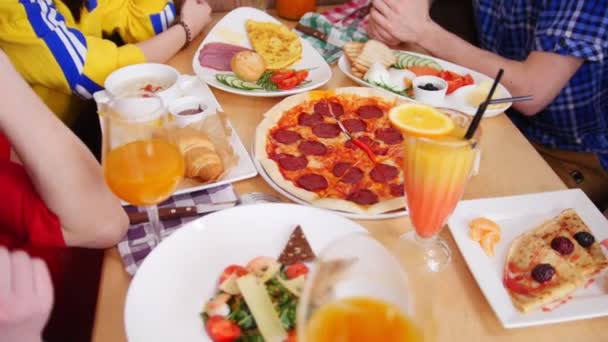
(577, 119)
(139, 241)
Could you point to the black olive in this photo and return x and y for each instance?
(584, 239)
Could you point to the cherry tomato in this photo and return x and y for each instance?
(278, 76)
(221, 329)
(296, 270)
(292, 337)
(301, 75)
(239, 271)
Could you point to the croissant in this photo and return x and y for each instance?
(200, 156)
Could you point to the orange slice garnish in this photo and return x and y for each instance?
(420, 120)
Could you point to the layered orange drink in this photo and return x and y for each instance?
(437, 163)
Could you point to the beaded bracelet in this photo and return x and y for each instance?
(188, 32)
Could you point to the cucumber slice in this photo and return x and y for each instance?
(235, 82)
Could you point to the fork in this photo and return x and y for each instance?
(258, 197)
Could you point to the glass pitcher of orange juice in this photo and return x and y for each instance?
(295, 9)
(139, 166)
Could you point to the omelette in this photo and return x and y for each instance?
(279, 46)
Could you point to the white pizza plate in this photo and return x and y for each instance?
(169, 290)
(231, 30)
(456, 100)
(355, 216)
(517, 215)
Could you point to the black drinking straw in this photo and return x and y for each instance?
(482, 107)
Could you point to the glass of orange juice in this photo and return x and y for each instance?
(139, 167)
(437, 164)
(357, 291)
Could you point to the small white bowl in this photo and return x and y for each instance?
(431, 97)
(185, 104)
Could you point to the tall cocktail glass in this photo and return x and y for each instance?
(436, 171)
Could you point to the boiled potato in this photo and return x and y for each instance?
(248, 65)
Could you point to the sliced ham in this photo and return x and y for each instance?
(218, 55)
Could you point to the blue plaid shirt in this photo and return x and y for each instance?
(577, 119)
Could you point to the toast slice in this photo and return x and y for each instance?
(374, 52)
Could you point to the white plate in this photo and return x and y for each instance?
(456, 100)
(170, 288)
(234, 22)
(270, 181)
(516, 215)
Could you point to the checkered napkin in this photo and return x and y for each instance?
(139, 241)
(341, 22)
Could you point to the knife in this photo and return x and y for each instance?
(355, 141)
(179, 212)
(333, 38)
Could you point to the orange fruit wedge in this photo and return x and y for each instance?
(420, 120)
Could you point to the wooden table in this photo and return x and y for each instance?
(458, 310)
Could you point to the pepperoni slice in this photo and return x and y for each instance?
(354, 125)
(322, 108)
(353, 175)
(290, 162)
(340, 168)
(363, 196)
(312, 182)
(383, 173)
(285, 136)
(370, 112)
(397, 190)
(326, 130)
(314, 148)
(309, 119)
(390, 136)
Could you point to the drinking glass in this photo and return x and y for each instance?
(357, 291)
(436, 171)
(139, 166)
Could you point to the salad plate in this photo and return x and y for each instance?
(167, 295)
(456, 100)
(516, 215)
(231, 30)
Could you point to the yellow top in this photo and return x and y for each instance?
(59, 57)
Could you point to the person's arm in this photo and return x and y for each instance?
(67, 177)
(542, 74)
(48, 52)
(26, 296)
(147, 24)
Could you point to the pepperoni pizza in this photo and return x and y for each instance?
(303, 149)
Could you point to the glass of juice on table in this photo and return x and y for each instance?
(140, 167)
(437, 164)
(357, 291)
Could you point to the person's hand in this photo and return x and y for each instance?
(399, 20)
(26, 296)
(196, 14)
(378, 33)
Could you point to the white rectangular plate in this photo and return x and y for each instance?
(516, 215)
(231, 30)
(456, 100)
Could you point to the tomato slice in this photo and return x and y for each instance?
(293, 81)
(280, 75)
(239, 271)
(455, 80)
(292, 337)
(221, 329)
(296, 270)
